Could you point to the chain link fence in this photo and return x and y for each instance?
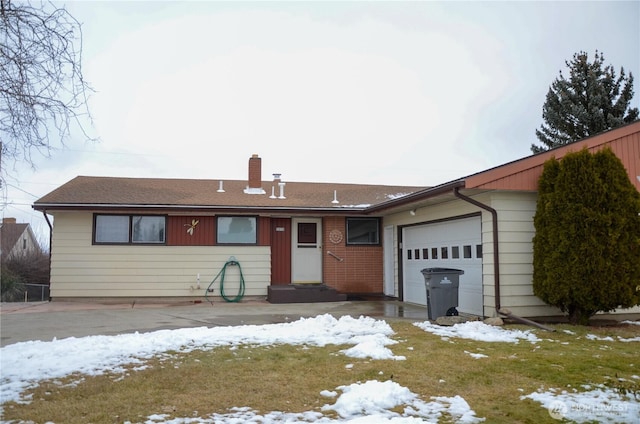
(36, 292)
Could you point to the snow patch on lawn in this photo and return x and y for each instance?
(477, 330)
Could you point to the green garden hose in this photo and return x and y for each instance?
(231, 262)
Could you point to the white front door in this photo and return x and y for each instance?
(307, 251)
(389, 280)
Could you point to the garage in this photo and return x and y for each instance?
(452, 243)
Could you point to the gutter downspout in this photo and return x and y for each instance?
(46, 218)
(496, 257)
(496, 262)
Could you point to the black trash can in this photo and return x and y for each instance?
(442, 291)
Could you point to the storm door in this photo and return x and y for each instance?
(307, 250)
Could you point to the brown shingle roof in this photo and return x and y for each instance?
(180, 193)
(10, 234)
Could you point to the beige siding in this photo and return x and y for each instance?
(515, 235)
(80, 269)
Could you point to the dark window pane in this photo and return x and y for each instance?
(466, 250)
(417, 253)
(478, 251)
(445, 252)
(455, 252)
(434, 253)
(363, 231)
(425, 253)
(307, 232)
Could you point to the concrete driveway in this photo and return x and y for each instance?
(48, 320)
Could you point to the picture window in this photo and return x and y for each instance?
(236, 230)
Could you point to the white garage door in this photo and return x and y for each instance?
(449, 244)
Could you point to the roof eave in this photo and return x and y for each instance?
(416, 196)
(44, 207)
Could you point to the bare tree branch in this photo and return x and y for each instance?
(43, 93)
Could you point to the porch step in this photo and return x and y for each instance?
(303, 293)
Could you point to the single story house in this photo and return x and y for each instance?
(168, 238)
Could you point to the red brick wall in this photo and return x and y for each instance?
(361, 269)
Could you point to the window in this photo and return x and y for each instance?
(466, 251)
(417, 253)
(148, 229)
(445, 252)
(307, 234)
(434, 253)
(425, 253)
(409, 254)
(478, 251)
(363, 231)
(455, 252)
(117, 229)
(237, 230)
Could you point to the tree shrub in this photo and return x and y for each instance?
(586, 251)
(18, 270)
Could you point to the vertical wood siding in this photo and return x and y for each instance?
(204, 233)
(281, 250)
(525, 173)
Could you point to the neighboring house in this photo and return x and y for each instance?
(133, 238)
(16, 239)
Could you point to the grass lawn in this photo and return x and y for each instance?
(290, 378)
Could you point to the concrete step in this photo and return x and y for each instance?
(303, 293)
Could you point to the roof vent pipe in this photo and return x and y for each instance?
(276, 177)
(335, 197)
(273, 193)
(281, 185)
(220, 188)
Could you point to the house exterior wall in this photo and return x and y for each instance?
(361, 268)
(515, 233)
(515, 237)
(81, 269)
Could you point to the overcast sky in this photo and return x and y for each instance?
(408, 93)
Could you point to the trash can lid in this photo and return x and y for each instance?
(442, 271)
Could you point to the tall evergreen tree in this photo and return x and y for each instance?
(592, 100)
(587, 242)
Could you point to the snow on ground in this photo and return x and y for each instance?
(477, 330)
(600, 404)
(25, 365)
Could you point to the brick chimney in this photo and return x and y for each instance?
(255, 172)
(255, 176)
